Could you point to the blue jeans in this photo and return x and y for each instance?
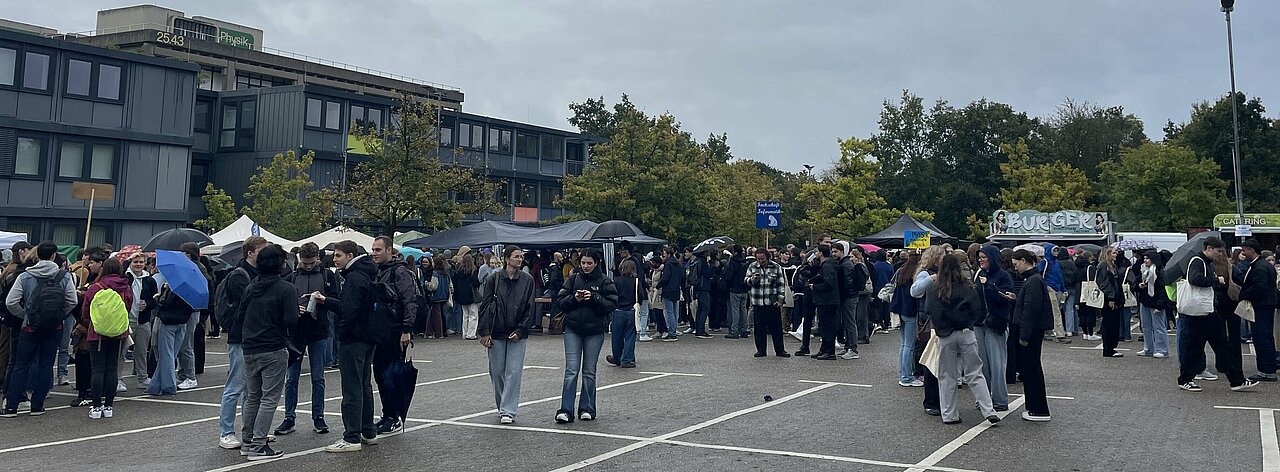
(581, 354)
(233, 391)
(33, 361)
(1155, 330)
(642, 324)
(671, 311)
(738, 311)
(623, 342)
(1126, 317)
(906, 355)
(704, 311)
(453, 317)
(168, 342)
(506, 365)
(993, 349)
(318, 353)
(64, 344)
(1069, 311)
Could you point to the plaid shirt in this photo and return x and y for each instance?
(767, 290)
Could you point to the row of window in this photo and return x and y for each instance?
(31, 70)
(526, 194)
(327, 114)
(471, 136)
(62, 234)
(77, 159)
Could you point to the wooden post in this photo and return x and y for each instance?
(89, 222)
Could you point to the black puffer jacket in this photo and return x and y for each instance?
(588, 317)
(355, 309)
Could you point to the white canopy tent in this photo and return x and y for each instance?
(241, 229)
(335, 235)
(8, 239)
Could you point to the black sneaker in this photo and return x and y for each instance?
(263, 452)
(390, 428)
(802, 352)
(8, 413)
(702, 336)
(321, 427)
(285, 428)
(670, 338)
(744, 335)
(1263, 377)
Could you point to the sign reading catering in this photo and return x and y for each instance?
(1060, 222)
(1263, 220)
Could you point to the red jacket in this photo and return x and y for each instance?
(111, 281)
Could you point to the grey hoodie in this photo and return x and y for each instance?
(26, 280)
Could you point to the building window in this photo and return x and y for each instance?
(199, 178)
(574, 158)
(78, 75)
(108, 82)
(445, 136)
(246, 81)
(30, 156)
(550, 196)
(238, 119)
(552, 148)
(527, 145)
(91, 161)
(477, 136)
(202, 125)
(26, 227)
(8, 65)
(502, 192)
(527, 195)
(195, 29)
(314, 114)
(66, 234)
(35, 71)
(365, 117)
(332, 115)
(471, 136)
(500, 141)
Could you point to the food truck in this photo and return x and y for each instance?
(1063, 228)
(1265, 228)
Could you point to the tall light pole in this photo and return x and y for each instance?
(1227, 7)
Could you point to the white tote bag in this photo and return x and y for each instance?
(931, 357)
(1244, 309)
(1193, 300)
(1090, 295)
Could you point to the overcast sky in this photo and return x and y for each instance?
(783, 78)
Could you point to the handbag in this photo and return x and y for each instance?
(886, 292)
(1245, 310)
(931, 357)
(1130, 300)
(1193, 300)
(1090, 295)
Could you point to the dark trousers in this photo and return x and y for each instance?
(104, 355)
(435, 322)
(1263, 341)
(1033, 375)
(768, 325)
(719, 305)
(197, 345)
(9, 355)
(931, 398)
(829, 323)
(1015, 353)
(659, 319)
(704, 310)
(32, 368)
(804, 323)
(1088, 319)
(879, 312)
(355, 360)
(1193, 333)
(863, 318)
(1112, 320)
(386, 352)
(84, 373)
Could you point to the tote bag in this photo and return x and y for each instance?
(1193, 300)
(931, 357)
(1090, 295)
(1244, 309)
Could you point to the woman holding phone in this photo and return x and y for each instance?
(506, 313)
(588, 299)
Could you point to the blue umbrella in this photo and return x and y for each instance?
(184, 278)
(416, 253)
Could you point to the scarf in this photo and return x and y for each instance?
(1149, 278)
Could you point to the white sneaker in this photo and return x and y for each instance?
(229, 442)
(644, 338)
(586, 416)
(848, 355)
(1159, 355)
(506, 420)
(1141, 353)
(108, 412)
(187, 384)
(342, 446)
(687, 331)
(1206, 375)
(95, 412)
(912, 383)
(120, 386)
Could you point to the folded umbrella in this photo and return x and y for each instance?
(184, 278)
(399, 381)
(172, 239)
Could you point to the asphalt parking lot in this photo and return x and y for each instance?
(700, 404)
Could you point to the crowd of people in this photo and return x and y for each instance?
(976, 318)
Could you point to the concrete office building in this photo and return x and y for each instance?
(247, 102)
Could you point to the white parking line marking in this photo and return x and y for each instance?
(835, 383)
(1095, 348)
(955, 444)
(1267, 428)
(672, 373)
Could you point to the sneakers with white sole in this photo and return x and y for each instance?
(1191, 387)
(912, 383)
(1206, 375)
(1026, 415)
(108, 412)
(506, 420)
(849, 354)
(1247, 385)
(1159, 355)
(229, 442)
(187, 384)
(95, 412)
(342, 446)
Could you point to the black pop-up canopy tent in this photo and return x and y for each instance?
(489, 233)
(892, 236)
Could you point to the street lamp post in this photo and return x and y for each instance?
(1227, 7)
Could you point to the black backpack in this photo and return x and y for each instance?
(47, 306)
(223, 306)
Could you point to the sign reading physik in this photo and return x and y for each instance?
(1060, 222)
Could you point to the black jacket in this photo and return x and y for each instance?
(1032, 313)
(270, 311)
(627, 291)
(464, 287)
(1109, 282)
(959, 312)
(173, 310)
(998, 308)
(1200, 272)
(313, 326)
(512, 305)
(736, 274)
(236, 286)
(826, 284)
(400, 317)
(1258, 284)
(354, 310)
(848, 286)
(588, 317)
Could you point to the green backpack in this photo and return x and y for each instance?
(108, 314)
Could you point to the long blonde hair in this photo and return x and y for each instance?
(930, 258)
(1107, 258)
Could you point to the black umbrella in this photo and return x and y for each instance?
(232, 253)
(1094, 248)
(613, 229)
(172, 239)
(1176, 267)
(712, 244)
(399, 381)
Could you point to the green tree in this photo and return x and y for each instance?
(732, 192)
(650, 172)
(845, 204)
(1045, 187)
(282, 197)
(403, 180)
(1084, 135)
(1208, 134)
(220, 210)
(1160, 187)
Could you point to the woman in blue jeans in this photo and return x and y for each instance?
(905, 306)
(623, 325)
(587, 299)
(173, 313)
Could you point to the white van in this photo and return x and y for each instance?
(1162, 241)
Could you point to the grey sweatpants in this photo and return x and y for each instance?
(849, 321)
(187, 353)
(264, 379)
(960, 361)
(141, 347)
